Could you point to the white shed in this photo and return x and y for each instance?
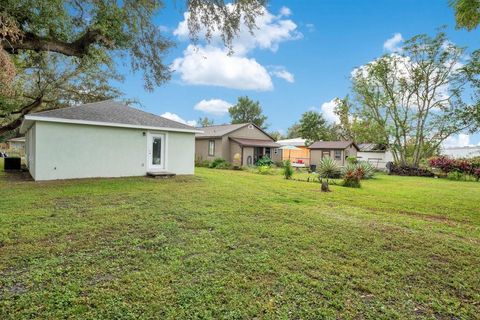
(106, 139)
(375, 154)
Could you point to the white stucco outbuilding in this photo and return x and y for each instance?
(106, 139)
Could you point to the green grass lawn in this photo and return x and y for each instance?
(238, 245)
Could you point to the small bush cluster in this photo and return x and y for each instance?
(219, 163)
(328, 169)
(403, 170)
(352, 174)
(264, 161)
(264, 169)
(202, 163)
(456, 169)
(287, 169)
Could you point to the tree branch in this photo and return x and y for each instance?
(77, 48)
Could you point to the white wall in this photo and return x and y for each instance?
(66, 151)
(30, 150)
(180, 152)
(378, 159)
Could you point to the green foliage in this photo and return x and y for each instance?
(314, 127)
(264, 161)
(63, 52)
(353, 127)
(352, 174)
(276, 135)
(287, 169)
(264, 169)
(219, 163)
(328, 169)
(294, 131)
(205, 122)
(467, 13)
(367, 168)
(247, 111)
(352, 159)
(386, 89)
(455, 175)
(202, 163)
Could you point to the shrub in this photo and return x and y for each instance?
(445, 164)
(328, 169)
(287, 169)
(368, 169)
(476, 174)
(264, 161)
(352, 159)
(455, 168)
(401, 170)
(220, 163)
(455, 175)
(202, 163)
(264, 170)
(352, 176)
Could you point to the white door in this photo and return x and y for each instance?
(156, 152)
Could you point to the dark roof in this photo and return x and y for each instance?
(256, 143)
(110, 111)
(371, 147)
(219, 130)
(332, 145)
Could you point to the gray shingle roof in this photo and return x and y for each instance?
(110, 111)
(332, 145)
(219, 130)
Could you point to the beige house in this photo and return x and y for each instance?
(16, 144)
(244, 143)
(337, 150)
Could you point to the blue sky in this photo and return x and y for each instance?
(301, 60)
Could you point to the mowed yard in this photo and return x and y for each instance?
(238, 245)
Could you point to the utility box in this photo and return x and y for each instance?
(12, 164)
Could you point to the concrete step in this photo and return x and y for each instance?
(160, 174)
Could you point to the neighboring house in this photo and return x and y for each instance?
(299, 156)
(337, 150)
(16, 144)
(375, 154)
(246, 142)
(462, 152)
(106, 139)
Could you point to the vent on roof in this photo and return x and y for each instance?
(250, 126)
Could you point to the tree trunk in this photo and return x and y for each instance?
(14, 124)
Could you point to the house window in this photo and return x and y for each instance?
(211, 147)
(338, 154)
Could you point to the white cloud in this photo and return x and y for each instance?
(176, 117)
(282, 73)
(461, 140)
(328, 108)
(393, 44)
(213, 66)
(284, 11)
(269, 32)
(213, 106)
(164, 29)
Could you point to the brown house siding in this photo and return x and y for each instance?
(201, 149)
(226, 148)
(316, 155)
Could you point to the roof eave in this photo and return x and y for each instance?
(32, 118)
